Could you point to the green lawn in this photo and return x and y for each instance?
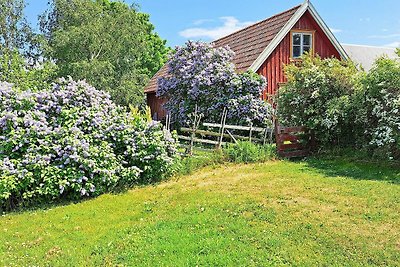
(313, 213)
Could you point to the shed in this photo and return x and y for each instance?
(266, 46)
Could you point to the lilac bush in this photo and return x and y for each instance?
(199, 74)
(71, 142)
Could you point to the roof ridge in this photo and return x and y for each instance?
(257, 23)
(372, 46)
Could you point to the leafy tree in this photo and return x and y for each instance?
(14, 69)
(19, 49)
(15, 32)
(110, 44)
(14, 28)
(203, 76)
(345, 106)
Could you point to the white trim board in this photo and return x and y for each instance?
(286, 29)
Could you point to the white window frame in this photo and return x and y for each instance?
(302, 34)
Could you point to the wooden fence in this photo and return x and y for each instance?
(219, 135)
(290, 141)
(293, 141)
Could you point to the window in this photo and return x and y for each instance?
(301, 43)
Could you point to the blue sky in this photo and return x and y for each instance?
(368, 22)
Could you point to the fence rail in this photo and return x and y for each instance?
(237, 127)
(290, 141)
(221, 134)
(293, 141)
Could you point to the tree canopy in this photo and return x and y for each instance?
(14, 29)
(108, 43)
(16, 33)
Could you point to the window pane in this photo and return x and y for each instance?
(306, 48)
(307, 39)
(296, 51)
(296, 39)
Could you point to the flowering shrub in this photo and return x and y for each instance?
(318, 94)
(72, 141)
(345, 106)
(380, 109)
(201, 75)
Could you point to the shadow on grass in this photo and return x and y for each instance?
(51, 204)
(357, 169)
(41, 206)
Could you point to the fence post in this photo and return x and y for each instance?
(223, 120)
(168, 122)
(265, 136)
(251, 131)
(232, 137)
(192, 135)
(196, 121)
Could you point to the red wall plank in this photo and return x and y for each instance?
(156, 106)
(272, 68)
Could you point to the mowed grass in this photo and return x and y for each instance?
(313, 213)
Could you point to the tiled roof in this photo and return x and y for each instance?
(247, 43)
(153, 83)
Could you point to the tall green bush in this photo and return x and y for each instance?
(380, 107)
(108, 43)
(345, 106)
(319, 95)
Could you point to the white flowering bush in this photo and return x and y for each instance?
(203, 76)
(72, 142)
(318, 95)
(380, 107)
(345, 106)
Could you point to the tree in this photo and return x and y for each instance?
(15, 32)
(110, 44)
(18, 50)
(203, 76)
(14, 69)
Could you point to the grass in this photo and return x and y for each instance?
(306, 213)
(200, 159)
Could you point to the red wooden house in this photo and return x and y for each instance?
(265, 47)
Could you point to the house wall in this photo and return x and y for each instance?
(156, 106)
(272, 69)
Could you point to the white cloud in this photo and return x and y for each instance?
(230, 25)
(202, 21)
(335, 30)
(394, 44)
